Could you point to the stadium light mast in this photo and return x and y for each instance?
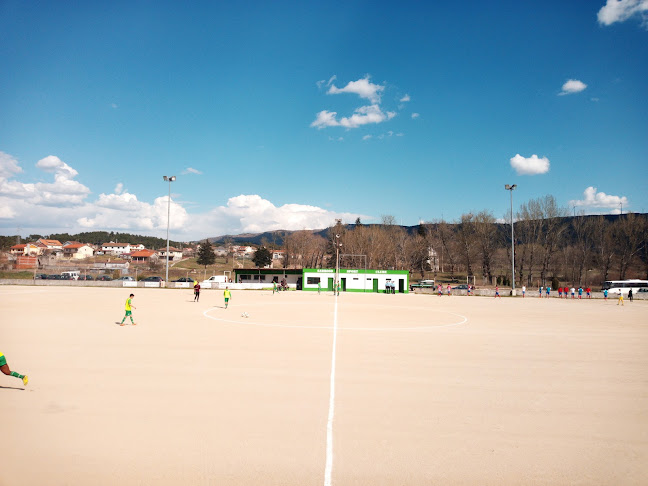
(170, 179)
(338, 222)
(510, 188)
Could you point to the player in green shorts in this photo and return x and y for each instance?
(228, 295)
(5, 369)
(129, 306)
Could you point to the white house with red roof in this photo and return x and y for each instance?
(77, 251)
(144, 256)
(116, 248)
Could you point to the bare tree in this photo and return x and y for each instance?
(466, 236)
(487, 241)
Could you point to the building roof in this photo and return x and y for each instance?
(143, 254)
(116, 244)
(75, 245)
(18, 247)
(50, 242)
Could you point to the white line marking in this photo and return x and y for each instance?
(331, 413)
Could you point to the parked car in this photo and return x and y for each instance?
(184, 279)
(460, 287)
(54, 277)
(153, 279)
(127, 277)
(85, 277)
(41, 276)
(104, 277)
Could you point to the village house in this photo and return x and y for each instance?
(174, 254)
(77, 251)
(115, 248)
(144, 257)
(25, 249)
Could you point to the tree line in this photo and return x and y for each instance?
(551, 247)
(92, 237)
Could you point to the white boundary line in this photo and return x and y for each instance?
(331, 412)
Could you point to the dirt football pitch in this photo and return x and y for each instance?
(360, 389)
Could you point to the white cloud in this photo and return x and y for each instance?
(621, 10)
(324, 119)
(362, 87)
(572, 86)
(53, 164)
(63, 206)
(531, 165)
(191, 170)
(415, 116)
(366, 137)
(253, 214)
(8, 166)
(593, 199)
(362, 116)
(405, 98)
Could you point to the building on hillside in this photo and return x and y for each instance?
(188, 252)
(144, 257)
(49, 244)
(137, 247)
(278, 258)
(25, 249)
(77, 251)
(113, 248)
(175, 254)
(352, 280)
(220, 251)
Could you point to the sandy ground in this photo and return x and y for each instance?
(428, 390)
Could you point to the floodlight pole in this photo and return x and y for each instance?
(510, 189)
(337, 257)
(170, 179)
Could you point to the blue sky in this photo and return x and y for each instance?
(288, 115)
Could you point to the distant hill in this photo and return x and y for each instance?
(276, 238)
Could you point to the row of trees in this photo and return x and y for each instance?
(549, 245)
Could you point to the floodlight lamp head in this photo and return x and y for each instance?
(507, 187)
(512, 187)
(172, 178)
(165, 178)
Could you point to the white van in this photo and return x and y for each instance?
(71, 275)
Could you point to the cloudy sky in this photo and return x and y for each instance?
(288, 115)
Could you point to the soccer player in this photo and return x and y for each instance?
(228, 295)
(449, 288)
(560, 292)
(548, 291)
(588, 291)
(620, 298)
(196, 291)
(497, 292)
(274, 287)
(540, 291)
(580, 293)
(129, 313)
(440, 290)
(523, 291)
(5, 369)
(319, 287)
(573, 291)
(605, 294)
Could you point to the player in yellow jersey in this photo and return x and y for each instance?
(5, 369)
(228, 295)
(129, 306)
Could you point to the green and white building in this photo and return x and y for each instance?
(353, 280)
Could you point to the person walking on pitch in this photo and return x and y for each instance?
(228, 295)
(319, 288)
(5, 369)
(129, 310)
(196, 291)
